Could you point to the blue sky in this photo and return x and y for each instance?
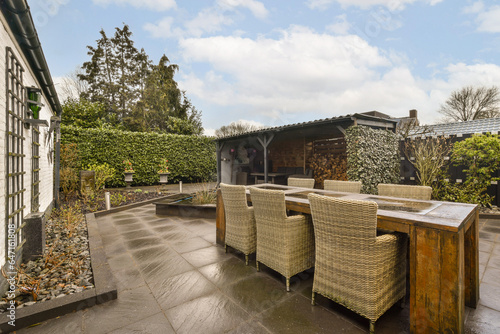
(281, 62)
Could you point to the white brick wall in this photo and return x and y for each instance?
(46, 164)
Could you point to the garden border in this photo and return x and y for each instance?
(104, 285)
(104, 289)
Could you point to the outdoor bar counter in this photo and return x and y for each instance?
(444, 252)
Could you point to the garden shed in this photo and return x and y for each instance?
(455, 131)
(29, 110)
(273, 154)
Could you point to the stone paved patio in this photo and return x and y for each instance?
(173, 278)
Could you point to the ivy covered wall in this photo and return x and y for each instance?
(191, 158)
(372, 157)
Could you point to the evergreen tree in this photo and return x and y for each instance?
(136, 94)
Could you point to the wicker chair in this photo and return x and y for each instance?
(300, 182)
(354, 267)
(405, 191)
(343, 186)
(240, 221)
(284, 244)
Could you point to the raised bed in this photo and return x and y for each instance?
(179, 205)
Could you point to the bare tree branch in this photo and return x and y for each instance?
(470, 103)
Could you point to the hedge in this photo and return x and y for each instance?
(372, 157)
(191, 158)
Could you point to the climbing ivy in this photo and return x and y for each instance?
(191, 158)
(372, 157)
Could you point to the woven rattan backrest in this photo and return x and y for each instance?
(343, 225)
(234, 198)
(405, 191)
(300, 182)
(269, 205)
(343, 186)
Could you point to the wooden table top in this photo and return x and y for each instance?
(400, 212)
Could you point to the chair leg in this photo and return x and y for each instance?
(372, 327)
(313, 301)
(257, 265)
(288, 284)
(225, 248)
(246, 260)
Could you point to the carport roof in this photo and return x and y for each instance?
(371, 118)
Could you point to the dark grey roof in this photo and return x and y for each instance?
(365, 116)
(491, 125)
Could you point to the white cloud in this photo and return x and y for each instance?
(208, 21)
(364, 4)
(476, 7)
(489, 20)
(340, 26)
(157, 5)
(303, 72)
(256, 7)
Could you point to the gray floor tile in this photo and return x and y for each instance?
(210, 314)
(181, 288)
(155, 324)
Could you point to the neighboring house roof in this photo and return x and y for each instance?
(491, 125)
(361, 118)
(18, 16)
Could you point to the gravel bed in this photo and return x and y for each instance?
(65, 267)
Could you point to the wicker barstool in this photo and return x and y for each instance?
(354, 267)
(240, 221)
(405, 191)
(284, 244)
(301, 182)
(343, 186)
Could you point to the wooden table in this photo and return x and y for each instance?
(444, 252)
(273, 176)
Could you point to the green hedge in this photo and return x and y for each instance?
(191, 158)
(372, 157)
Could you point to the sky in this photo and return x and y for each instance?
(281, 62)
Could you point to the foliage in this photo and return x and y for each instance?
(427, 155)
(137, 95)
(204, 195)
(471, 103)
(117, 199)
(127, 166)
(467, 192)
(163, 166)
(192, 158)
(164, 107)
(68, 173)
(103, 173)
(83, 113)
(328, 167)
(235, 128)
(480, 154)
(372, 157)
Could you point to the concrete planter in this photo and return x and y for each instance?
(129, 177)
(164, 178)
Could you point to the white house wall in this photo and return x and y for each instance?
(46, 163)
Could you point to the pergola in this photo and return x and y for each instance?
(289, 146)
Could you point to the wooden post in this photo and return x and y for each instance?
(437, 299)
(472, 263)
(220, 220)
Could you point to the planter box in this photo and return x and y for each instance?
(173, 206)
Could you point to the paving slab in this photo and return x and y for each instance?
(173, 278)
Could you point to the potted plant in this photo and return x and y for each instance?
(128, 172)
(164, 173)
